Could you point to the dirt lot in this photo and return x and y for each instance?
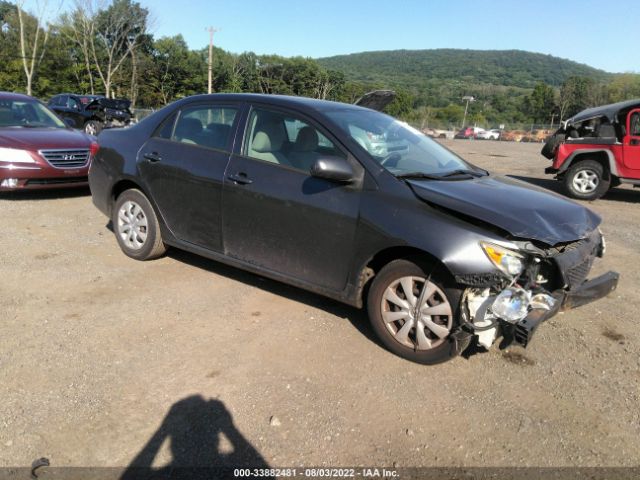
(101, 356)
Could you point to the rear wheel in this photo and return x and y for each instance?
(136, 226)
(413, 312)
(586, 180)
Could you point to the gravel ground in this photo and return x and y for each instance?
(182, 361)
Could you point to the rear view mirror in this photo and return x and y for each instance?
(335, 169)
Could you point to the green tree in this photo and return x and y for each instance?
(401, 106)
(541, 103)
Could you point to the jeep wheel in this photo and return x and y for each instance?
(93, 127)
(414, 313)
(586, 180)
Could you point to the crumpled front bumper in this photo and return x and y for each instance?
(587, 292)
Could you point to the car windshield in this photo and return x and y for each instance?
(398, 147)
(27, 113)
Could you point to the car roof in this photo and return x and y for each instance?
(90, 95)
(15, 96)
(610, 111)
(278, 100)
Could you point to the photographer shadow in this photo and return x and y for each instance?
(193, 428)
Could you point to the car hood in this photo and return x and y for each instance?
(376, 100)
(523, 210)
(37, 138)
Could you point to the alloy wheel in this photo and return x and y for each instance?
(91, 129)
(586, 181)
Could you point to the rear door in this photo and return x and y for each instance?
(276, 215)
(183, 166)
(631, 144)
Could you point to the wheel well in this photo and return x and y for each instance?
(600, 157)
(386, 256)
(121, 186)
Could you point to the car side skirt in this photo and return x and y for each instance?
(348, 295)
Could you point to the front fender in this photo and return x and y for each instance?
(394, 222)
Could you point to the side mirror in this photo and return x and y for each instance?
(335, 169)
(69, 122)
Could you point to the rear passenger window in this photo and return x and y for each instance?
(166, 128)
(286, 140)
(205, 126)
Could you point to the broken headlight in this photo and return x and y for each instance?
(508, 261)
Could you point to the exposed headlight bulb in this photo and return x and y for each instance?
(512, 304)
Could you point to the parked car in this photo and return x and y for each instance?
(440, 251)
(37, 149)
(493, 134)
(597, 149)
(469, 133)
(438, 133)
(92, 113)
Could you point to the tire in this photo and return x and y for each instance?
(586, 180)
(388, 318)
(93, 127)
(549, 148)
(136, 227)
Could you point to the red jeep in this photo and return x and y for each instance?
(597, 149)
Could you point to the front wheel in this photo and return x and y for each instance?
(414, 312)
(93, 127)
(585, 180)
(136, 226)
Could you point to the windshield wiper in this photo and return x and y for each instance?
(472, 173)
(444, 176)
(419, 175)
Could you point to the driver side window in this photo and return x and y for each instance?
(281, 138)
(73, 103)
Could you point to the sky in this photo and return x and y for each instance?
(598, 33)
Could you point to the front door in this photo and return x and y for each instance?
(183, 165)
(631, 145)
(276, 215)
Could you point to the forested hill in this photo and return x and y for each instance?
(413, 68)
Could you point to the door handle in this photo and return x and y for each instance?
(240, 178)
(152, 157)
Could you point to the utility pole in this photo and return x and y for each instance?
(466, 98)
(211, 31)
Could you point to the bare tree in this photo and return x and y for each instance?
(117, 31)
(80, 29)
(33, 41)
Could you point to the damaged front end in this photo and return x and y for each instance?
(534, 285)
